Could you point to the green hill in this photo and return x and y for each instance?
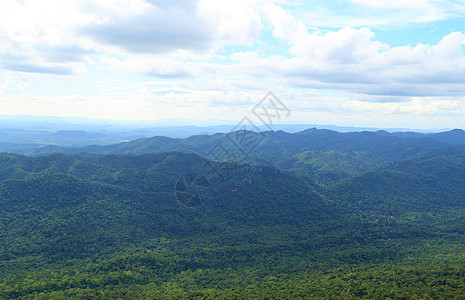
(324, 156)
(311, 214)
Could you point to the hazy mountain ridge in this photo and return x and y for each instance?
(324, 155)
(26, 140)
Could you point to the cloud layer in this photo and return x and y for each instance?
(216, 56)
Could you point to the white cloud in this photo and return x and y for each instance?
(149, 28)
(235, 22)
(222, 55)
(285, 26)
(53, 36)
(353, 60)
(451, 47)
(347, 60)
(35, 36)
(345, 46)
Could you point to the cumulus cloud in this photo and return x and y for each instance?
(52, 36)
(152, 28)
(35, 37)
(353, 60)
(349, 60)
(214, 53)
(160, 26)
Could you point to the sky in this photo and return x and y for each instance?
(384, 63)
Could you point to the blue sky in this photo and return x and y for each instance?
(396, 63)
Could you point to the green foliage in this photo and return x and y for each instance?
(357, 215)
(325, 156)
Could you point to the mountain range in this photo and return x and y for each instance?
(315, 213)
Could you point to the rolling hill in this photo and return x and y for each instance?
(315, 213)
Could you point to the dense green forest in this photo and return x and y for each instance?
(311, 214)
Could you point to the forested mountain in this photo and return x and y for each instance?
(408, 186)
(287, 143)
(325, 156)
(66, 207)
(311, 214)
